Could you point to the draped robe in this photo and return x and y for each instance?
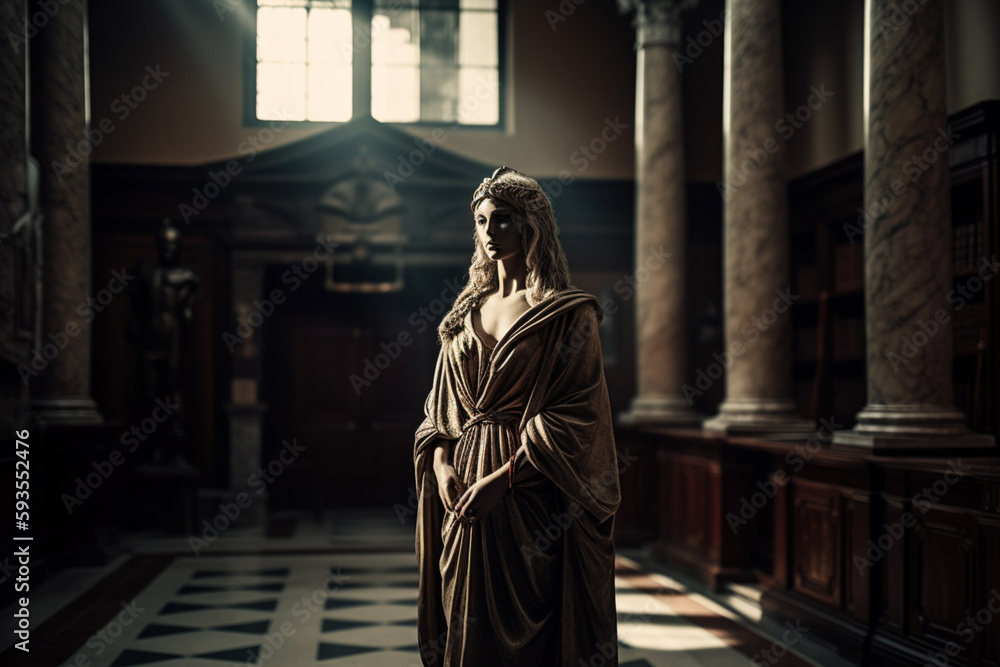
(532, 581)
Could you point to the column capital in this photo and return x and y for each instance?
(657, 22)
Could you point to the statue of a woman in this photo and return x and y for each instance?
(515, 462)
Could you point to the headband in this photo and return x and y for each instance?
(487, 188)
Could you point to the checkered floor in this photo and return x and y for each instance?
(333, 610)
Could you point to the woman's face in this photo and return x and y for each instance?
(496, 230)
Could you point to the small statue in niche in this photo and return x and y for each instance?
(162, 298)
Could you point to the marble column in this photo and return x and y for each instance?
(59, 118)
(757, 298)
(661, 219)
(14, 197)
(907, 238)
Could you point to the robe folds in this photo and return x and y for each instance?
(532, 581)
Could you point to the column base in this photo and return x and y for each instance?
(773, 419)
(661, 411)
(65, 411)
(245, 457)
(912, 427)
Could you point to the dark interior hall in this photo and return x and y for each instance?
(789, 212)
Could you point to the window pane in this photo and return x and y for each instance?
(438, 38)
(449, 5)
(396, 37)
(438, 65)
(395, 94)
(328, 4)
(330, 36)
(281, 35)
(329, 92)
(480, 97)
(438, 94)
(281, 91)
(477, 38)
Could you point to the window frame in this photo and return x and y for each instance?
(361, 85)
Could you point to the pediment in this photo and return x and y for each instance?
(361, 180)
(364, 145)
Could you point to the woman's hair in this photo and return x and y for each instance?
(534, 219)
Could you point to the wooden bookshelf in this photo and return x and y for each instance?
(827, 269)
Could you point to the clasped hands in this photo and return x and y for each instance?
(473, 502)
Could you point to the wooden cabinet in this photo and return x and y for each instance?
(884, 558)
(987, 584)
(816, 541)
(943, 569)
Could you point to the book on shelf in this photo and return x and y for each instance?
(968, 328)
(805, 345)
(808, 281)
(967, 246)
(848, 338)
(848, 267)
